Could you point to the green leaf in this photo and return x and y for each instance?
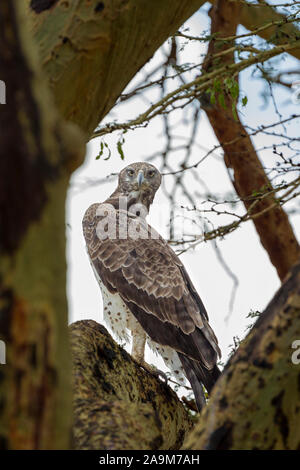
(234, 111)
(228, 82)
(120, 149)
(109, 152)
(234, 90)
(232, 86)
(221, 99)
(217, 86)
(244, 101)
(101, 152)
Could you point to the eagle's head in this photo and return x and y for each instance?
(139, 183)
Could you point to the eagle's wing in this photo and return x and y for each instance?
(154, 284)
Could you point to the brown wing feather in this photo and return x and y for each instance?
(152, 280)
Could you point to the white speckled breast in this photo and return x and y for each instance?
(120, 321)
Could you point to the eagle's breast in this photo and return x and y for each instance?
(116, 314)
(120, 321)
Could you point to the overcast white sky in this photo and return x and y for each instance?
(242, 251)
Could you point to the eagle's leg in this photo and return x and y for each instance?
(138, 351)
(138, 345)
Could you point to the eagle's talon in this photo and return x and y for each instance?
(154, 371)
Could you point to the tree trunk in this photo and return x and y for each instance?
(256, 402)
(249, 177)
(38, 152)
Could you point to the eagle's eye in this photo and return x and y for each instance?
(151, 173)
(130, 172)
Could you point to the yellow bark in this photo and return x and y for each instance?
(256, 402)
(98, 47)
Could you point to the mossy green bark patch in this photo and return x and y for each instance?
(117, 404)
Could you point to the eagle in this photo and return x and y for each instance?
(145, 287)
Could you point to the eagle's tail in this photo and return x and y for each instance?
(199, 376)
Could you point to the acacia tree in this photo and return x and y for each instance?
(217, 90)
(82, 47)
(76, 41)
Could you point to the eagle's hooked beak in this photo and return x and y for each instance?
(140, 178)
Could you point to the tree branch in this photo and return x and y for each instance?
(256, 402)
(194, 89)
(259, 15)
(273, 227)
(99, 51)
(117, 404)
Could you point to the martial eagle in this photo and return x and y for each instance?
(145, 287)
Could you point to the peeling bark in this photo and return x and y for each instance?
(117, 404)
(256, 402)
(273, 227)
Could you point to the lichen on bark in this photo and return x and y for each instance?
(117, 404)
(256, 402)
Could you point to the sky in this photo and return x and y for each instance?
(241, 250)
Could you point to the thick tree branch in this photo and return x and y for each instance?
(111, 41)
(98, 47)
(256, 402)
(117, 404)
